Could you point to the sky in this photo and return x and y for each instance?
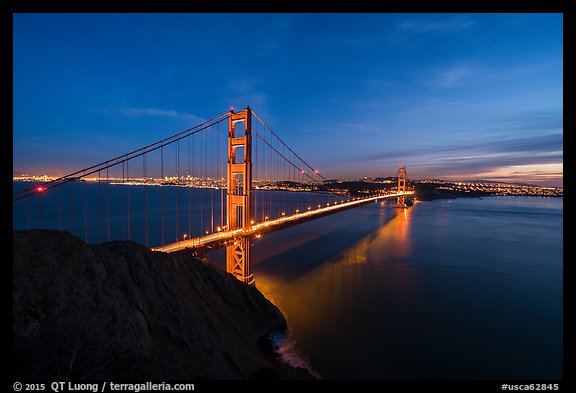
(451, 96)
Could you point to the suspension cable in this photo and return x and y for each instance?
(301, 159)
(29, 191)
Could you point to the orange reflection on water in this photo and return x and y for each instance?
(318, 300)
(391, 240)
(403, 233)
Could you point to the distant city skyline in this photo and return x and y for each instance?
(451, 96)
(34, 177)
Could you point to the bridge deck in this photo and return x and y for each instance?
(269, 225)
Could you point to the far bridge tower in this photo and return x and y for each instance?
(401, 202)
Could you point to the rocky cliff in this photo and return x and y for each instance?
(120, 311)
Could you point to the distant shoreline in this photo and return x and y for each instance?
(424, 190)
(430, 193)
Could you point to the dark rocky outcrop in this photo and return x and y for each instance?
(120, 311)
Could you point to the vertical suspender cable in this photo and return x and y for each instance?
(271, 169)
(162, 190)
(72, 207)
(201, 188)
(188, 186)
(212, 178)
(277, 178)
(145, 198)
(39, 197)
(85, 215)
(177, 185)
(221, 175)
(193, 171)
(108, 201)
(255, 176)
(59, 211)
(100, 208)
(128, 192)
(123, 203)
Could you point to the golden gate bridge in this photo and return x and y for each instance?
(235, 165)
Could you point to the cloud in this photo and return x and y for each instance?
(436, 105)
(545, 174)
(455, 24)
(538, 120)
(140, 112)
(531, 147)
(450, 78)
(409, 30)
(136, 112)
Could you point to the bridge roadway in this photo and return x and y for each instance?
(270, 225)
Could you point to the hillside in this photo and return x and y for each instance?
(120, 311)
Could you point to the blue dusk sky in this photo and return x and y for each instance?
(451, 96)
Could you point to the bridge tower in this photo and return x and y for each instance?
(400, 201)
(239, 194)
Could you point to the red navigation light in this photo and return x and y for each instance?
(303, 171)
(232, 109)
(40, 189)
(315, 170)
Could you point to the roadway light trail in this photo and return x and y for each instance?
(268, 225)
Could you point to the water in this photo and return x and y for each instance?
(97, 212)
(450, 289)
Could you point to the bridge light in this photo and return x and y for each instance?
(266, 217)
(218, 229)
(252, 222)
(309, 208)
(319, 206)
(297, 211)
(283, 214)
(315, 170)
(185, 236)
(40, 189)
(303, 171)
(206, 232)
